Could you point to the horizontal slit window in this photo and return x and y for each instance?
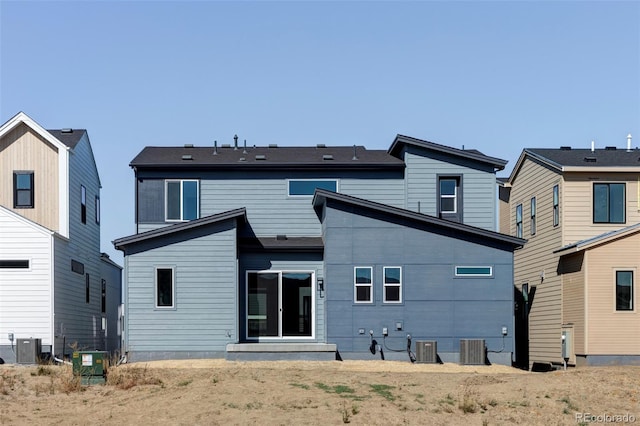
(308, 187)
(14, 264)
(474, 271)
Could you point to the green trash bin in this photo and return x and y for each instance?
(91, 366)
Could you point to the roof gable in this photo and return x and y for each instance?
(468, 154)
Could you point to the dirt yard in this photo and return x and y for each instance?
(210, 392)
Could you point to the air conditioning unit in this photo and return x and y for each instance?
(28, 351)
(426, 351)
(472, 352)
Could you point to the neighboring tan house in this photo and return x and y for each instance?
(317, 253)
(576, 278)
(55, 285)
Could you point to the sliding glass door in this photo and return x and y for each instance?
(279, 304)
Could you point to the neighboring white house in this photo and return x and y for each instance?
(55, 284)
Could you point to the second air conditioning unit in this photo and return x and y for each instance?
(472, 352)
(426, 351)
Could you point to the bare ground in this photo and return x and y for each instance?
(210, 392)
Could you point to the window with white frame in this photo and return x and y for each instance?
(363, 284)
(533, 216)
(392, 284)
(97, 206)
(450, 198)
(182, 201)
(519, 221)
(474, 271)
(624, 290)
(165, 287)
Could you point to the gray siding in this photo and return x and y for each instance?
(478, 185)
(310, 262)
(112, 275)
(436, 305)
(205, 316)
(78, 322)
(270, 210)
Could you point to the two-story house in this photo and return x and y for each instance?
(316, 252)
(55, 285)
(576, 278)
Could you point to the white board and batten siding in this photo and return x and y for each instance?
(25, 294)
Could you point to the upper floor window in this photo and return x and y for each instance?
(303, 187)
(363, 284)
(519, 221)
(97, 205)
(392, 284)
(608, 202)
(533, 216)
(556, 205)
(450, 198)
(83, 204)
(624, 290)
(103, 298)
(181, 200)
(23, 190)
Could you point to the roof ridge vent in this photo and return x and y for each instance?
(610, 148)
(590, 159)
(327, 157)
(67, 130)
(188, 145)
(273, 145)
(226, 145)
(261, 157)
(321, 145)
(565, 148)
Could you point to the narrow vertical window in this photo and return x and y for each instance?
(23, 190)
(87, 286)
(519, 221)
(103, 304)
(363, 284)
(450, 198)
(164, 288)
(392, 284)
(533, 216)
(624, 290)
(83, 204)
(556, 206)
(97, 210)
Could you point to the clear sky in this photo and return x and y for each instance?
(494, 76)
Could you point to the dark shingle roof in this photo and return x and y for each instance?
(69, 137)
(460, 228)
(586, 158)
(471, 154)
(265, 157)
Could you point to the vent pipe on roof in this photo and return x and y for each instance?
(244, 151)
(593, 146)
(235, 142)
(629, 142)
(215, 147)
(355, 157)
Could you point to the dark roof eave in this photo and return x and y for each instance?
(272, 166)
(497, 163)
(121, 243)
(496, 236)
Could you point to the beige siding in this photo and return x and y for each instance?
(21, 149)
(611, 332)
(573, 313)
(536, 264)
(578, 204)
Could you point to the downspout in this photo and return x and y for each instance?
(52, 281)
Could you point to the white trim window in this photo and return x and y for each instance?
(307, 187)
(519, 221)
(363, 284)
(164, 287)
(182, 201)
(392, 283)
(474, 271)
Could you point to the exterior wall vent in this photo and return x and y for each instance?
(426, 351)
(472, 352)
(28, 351)
(261, 157)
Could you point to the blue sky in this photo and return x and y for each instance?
(494, 76)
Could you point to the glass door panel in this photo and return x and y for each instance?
(296, 304)
(262, 310)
